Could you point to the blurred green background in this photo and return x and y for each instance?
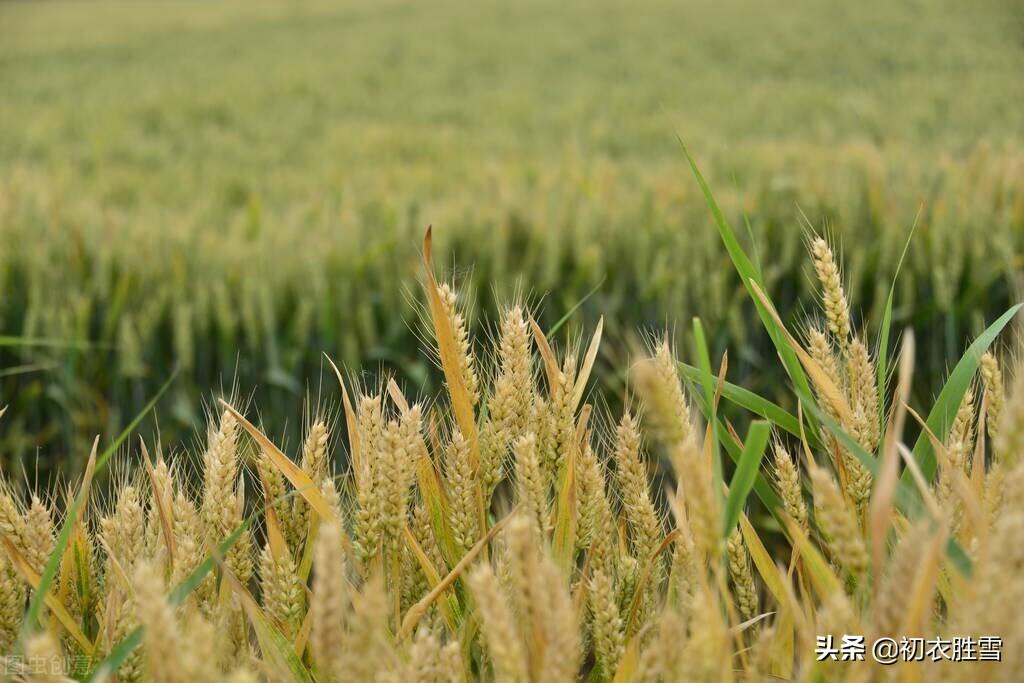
(237, 187)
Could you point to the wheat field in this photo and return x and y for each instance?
(510, 529)
(616, 416)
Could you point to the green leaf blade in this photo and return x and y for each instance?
(748, 272)
(744, 398)
(940, 419)
(747, 469)
(704, 359)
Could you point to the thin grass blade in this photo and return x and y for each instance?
(746, 473)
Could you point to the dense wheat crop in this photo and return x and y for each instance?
(510, 529)
(583, 430)
(236, 187)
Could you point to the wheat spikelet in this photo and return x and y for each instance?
(644, 526)
(631, 475)
(994, 393)
(371, 424)
(404, 442)
(1008, 444)
(540, 600)
(329, 491)
(190, 547)
(162, 641)
(223, 502)
(272, 481)
(467, 365)
(220, 477)
(12, 520)
(275, 492)
(124, 533)
(628, 575)
(596, 530)
(522, 543)
(188, 641)
(959, 446)
(707, 643)
(510, 405)
(666, 412)
(820, 348)
(316, 465)
(662, 659)
(118, 621)
(424, 533)
(591, 499)
(505, 649)
(315, 458)
(38, 534)
(994, 491)
(329, 603)
(223, 499)
(430, 662)
(541, 425)
(369, 518)
(787, 480)
(685, 564)
(233, 625)
(838, 523)
(563, 418)
(858, 479)
(79, 587)
(366, 651)
(606, 622)
(162, 485)
(863, 395)
(861, 421)
(559, 627)
(603, 549)
(12, 603)
(239, 558)
(461, 490)
(763, 654)
(741, 575)
(893, 595)
(837, 311)
(414, 580)
(702, 507)
(962, 430)
(690, 646)
(282, 594)
(530, 483)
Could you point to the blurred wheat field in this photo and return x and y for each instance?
(235, 188)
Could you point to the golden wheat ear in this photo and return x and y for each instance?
(452, 361)
(994, 393)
